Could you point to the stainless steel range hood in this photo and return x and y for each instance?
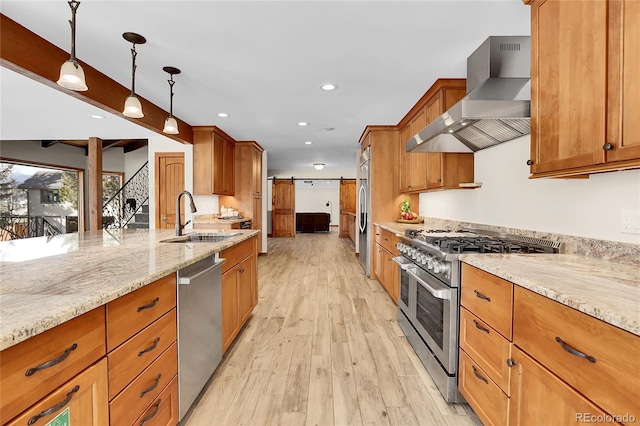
(497, 106)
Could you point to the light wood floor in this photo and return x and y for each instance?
(322, 348)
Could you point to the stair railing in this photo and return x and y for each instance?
(118, 211)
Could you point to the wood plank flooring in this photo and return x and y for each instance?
(322, 348)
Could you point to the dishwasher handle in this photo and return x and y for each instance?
(187, 280)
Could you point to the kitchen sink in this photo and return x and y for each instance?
(202, 237)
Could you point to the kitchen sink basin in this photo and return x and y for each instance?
(202, 237)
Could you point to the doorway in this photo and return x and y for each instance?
(169, 182)
(284, 201)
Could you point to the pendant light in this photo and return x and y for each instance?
(171, 124)
(71, 73)
(318, 166)
(132, 106)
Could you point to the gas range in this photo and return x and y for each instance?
(437, 250)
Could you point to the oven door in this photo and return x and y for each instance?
(406, 292)
(436, 316)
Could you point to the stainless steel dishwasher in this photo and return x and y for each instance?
(199, 327)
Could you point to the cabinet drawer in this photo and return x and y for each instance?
(68, 348)
(387, 239)
(131, 313)
(237, 253)
(84, 396)
(611, 381)
(139, 395)
(486, 347)
(164, 410)
(128, 360)
(484, 396)
(490, 298)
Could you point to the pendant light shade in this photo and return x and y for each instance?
(71, 73)
(318, 166)
(132, 106)
(171, 124)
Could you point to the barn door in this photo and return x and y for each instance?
(284, 200)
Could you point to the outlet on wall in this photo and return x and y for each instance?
(630, 221)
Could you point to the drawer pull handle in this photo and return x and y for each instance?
(150, 348)
(150, 305)
(55, 408)
(574, 351)
(152, 387)
(479, 327)
(58, 360)
(511, 362)
(152, 415)
(478, 375)
(482, 296)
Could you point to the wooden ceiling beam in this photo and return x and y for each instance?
(47, 144)
(132, 146)
(109, 143)
(32, 56)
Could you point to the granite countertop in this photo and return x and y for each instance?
(47, 281)
(213, 219)
(605, 290)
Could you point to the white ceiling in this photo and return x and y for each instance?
(262, 62)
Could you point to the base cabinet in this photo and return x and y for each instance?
(80, 401)
(384, 268)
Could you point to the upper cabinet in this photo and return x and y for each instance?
(421, 172)
(213, 161)
(585, 90)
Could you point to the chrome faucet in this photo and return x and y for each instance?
(179, 226)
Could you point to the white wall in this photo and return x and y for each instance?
(314, 199)
(133, 161)
(582, 207)
(312, 173)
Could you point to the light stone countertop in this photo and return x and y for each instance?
(214, 219)
(47, 281)
(602, 288)
(605, 290)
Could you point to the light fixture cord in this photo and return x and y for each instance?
(133, 69)
(171, 83)
(74, 7)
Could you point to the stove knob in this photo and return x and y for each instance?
(446, 269)
(438, 267)
(430, 263)
(424, 259)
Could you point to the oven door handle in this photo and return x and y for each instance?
(402, 263)
(440, 293)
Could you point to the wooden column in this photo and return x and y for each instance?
(95, 183)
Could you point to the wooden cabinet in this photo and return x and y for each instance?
(164, 411)
(562, 366)
(585, 93)
(421, 172)
(385, 269)
(239, 288)
(34, 368)
(142, 357)
(347, 205)
(248, 178)
(538, 397)
(213, 161)
(80, 401)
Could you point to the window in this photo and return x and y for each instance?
(49, 196)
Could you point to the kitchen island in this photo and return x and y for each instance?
(89, 321)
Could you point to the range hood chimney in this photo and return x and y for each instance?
(497, 107)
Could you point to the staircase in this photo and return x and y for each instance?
(140, 219)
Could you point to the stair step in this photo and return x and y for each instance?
(145, 208)
(131, 225)
(141, 217)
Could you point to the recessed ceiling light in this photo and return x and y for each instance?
(303, 123)
(223, 114)
(328, 86)
(97, 116)
(328, 129)
(308, 143)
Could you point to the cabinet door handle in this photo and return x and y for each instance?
(482, 296)
(607, 146)
(479, 327)
(478, 375)
(511, 362)
(55, 408)
(150, 305)
(242, 271)
(150, 348)
(57, 360)
(152, 415)
(574, 351)
(152, 387)
(529, 162)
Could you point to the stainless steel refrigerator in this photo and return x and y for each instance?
(364, 203)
